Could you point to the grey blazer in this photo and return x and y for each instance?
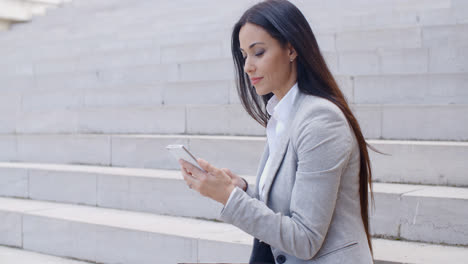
(311, 209)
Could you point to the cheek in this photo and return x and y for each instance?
(276, 68)
(267, 66)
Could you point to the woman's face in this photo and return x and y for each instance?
(267, 63)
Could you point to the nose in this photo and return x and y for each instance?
(248, 66)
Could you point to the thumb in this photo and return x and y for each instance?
(207, 166)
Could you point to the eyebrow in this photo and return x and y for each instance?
(253, 44)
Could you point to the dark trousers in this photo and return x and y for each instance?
(261, 253)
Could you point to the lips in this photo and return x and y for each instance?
(256, 80)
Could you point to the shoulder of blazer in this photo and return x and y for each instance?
(314, 107)
(316, 111)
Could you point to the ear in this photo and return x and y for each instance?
(291, 51)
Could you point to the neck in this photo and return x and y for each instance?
(280, 93)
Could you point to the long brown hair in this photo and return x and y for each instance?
(285, 22)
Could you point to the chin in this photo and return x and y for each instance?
(260, 91)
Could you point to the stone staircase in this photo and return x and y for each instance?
(93, 92)
(20, 11)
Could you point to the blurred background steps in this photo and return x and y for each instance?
(11, 255)
(16, 11)
(106, 235)
(377, 121)
(417, 162)
(402, 211)
(93, 92)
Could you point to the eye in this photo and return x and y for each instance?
(260, 53)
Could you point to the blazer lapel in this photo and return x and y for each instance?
(277, 158)
(263, 160)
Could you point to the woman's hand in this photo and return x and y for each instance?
(236, 179)
(214, 183)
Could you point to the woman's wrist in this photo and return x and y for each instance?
(229, 191)
(244, 188)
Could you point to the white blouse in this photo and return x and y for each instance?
(280, 115)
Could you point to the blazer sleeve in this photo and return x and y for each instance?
(251, 190)
(323, 146)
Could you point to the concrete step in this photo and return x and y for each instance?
(444, 88)
(437, 89)
(360, 5)
(14, 11)
(389, 89)
(4, 25)
(401, 211)
(385, 19)
(327, 17)
(106, 73)
(62, 99)
(23, 10)
(137, 25)
(163, 119)
(105, 60)
(385, 62)
(351, 40)
(414, 122)
(10, 255)
(108, 43)
(44, 226)
(163, 191)
(408, 37)
(400, 61)
(142, 151)
(432, 214)
(40, 7)
(426, 89)
(111, 236)
(167, 94)
(106, 11)
(98, 79)
(413, 252)
(388, 61)
(382, 62)
(362, 8)
(417, 162)
(420, 162)
(62, 112)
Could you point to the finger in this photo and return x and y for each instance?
(182, 168)
(189, 167)
(191, 182)
(187, 174)
(189, 177)
(208, 167)
(227, 171)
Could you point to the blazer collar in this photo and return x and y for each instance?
(277, 158)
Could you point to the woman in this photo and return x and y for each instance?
(311, 200)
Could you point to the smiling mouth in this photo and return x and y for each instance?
(256, 80)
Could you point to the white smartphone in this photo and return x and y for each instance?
(181, 152)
